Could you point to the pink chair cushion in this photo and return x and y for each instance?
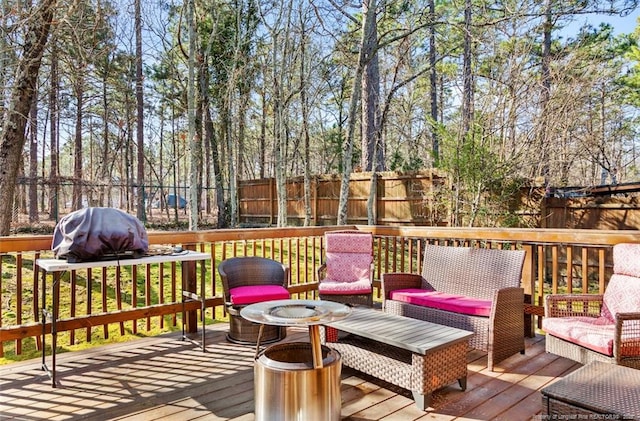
(442, 301)
(626, 259)
(348, 267)
(330, 287)
(257, 293)
(347, 242)
(622, 295)
(595, 333)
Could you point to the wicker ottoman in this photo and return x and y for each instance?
(410, 353)
(598, 390)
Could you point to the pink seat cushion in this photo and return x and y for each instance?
(595, 333)
(331, 287)
(257, 293)
(442, 301)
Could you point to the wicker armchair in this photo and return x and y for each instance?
(347, 274)
(248, 280)
(606, 327)
(467, 288)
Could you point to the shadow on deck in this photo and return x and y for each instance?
(165, 378)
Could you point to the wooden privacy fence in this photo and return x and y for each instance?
(135, 298)
(606, 212)
(400, 199)
(419, 199)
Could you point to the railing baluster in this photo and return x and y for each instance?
(19, 298)
(119, 295)
(134, 296)
(104, 288)
(147, 292)
(587, 253)
(569, 269)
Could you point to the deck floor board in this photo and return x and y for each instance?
(165, 378)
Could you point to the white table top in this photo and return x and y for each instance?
(60, 265)
(295, 312)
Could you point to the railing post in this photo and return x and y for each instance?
(528, 283)
(189, 284)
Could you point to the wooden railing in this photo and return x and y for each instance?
(557, 261)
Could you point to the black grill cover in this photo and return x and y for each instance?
(92, 234)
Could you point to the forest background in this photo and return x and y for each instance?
(123, 103)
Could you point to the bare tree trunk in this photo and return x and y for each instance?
(191, 99)
(433, 84)
(33, 162)
(305, 120)
(263, 134)
(140, 117)
(371, 93)
(77, 146)
(6, 61)
(347, 145)
(280, 30)
(543, 163)
(207, 135)
(175, 169)
(12, 137)
(280, 154)
(231, 162)
(221, 221)
(128, 130)
(104, 196)
(467, 100)
(54, 115)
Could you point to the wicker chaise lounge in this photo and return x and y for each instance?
(467, 288)
(593, 327)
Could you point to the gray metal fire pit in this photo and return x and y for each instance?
(297, 380)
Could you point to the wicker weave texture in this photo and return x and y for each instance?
(422, 374)
(597, 388)
(251, 270)
(245, 271)
(555, 409)
(242, 331)
(626, 338)
(351, 299)
(472, 272)
(584, 355)
(480, 273)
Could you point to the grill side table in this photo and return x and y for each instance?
(598, 390)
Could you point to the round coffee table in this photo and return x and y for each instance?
(311, 313)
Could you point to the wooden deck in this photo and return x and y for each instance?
(165, 378)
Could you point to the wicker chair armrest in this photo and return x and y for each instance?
(287, 276)
(508, 301)
(573, 305)
(624, 317)
(393, 281)
(321, 272)
(233, 311)
(627, 337)
(372, 268)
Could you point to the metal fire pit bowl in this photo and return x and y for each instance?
(295, 312)
(298, 381)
